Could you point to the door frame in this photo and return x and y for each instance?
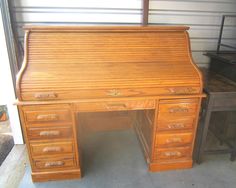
(8, 69)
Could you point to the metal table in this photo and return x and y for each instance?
(221, 96)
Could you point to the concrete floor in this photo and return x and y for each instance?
(115, 160)
(12, 169)
(6, 140)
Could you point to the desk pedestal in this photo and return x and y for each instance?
(165, 127)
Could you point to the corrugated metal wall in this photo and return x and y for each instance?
(204, 19)
(203, 16)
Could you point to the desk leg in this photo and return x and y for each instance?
(204, 129)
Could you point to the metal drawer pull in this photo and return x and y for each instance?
(172, 154)
(47, 117)
(46, 95)
(182, 90)
(176, 125)
(174, 140)
(178, 109)
(119, 105)
(113, 93)
(49, 133)
(54, 163)
(52, 149)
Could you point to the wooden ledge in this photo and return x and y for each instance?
(91, 29)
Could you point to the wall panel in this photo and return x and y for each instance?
(203, 17)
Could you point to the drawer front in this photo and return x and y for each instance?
(173, 139)
(49, 133)
(104, 93)
(38, 149)
(166, 123)
(172, 153)
(178, 108)
(116, 106)
(48, 116)
(54, 163)
(43, 114)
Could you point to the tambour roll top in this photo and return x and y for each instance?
(103, 62)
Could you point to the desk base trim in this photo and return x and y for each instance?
(156, 167)
(56, 175)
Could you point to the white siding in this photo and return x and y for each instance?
(74, 12)
(203, 17)
(7, 94)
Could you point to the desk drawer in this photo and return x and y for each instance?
(48, 116)
(168, 123)
(59, 93)
(178, 108)
(54, 163)
(179, 153)
(49, 133)
(42, 114)
(173, 139)
(116, 106)
(39, 149)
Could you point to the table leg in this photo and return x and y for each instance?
(204, 129)
(233, 155)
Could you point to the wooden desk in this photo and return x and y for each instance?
(68, 70)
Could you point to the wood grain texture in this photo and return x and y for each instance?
(173, 139)
(52, 148)
(69, 70)
(172, 165)
(172, 154)
(56, 175)
(121, 62)
(23, 67)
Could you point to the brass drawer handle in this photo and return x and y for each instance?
(173, 154)
(54, 163)
(116, 105)
(47, 117)
(174, 140)
(187, 90)
(52, 149)
(114, 93)
(176, 125)
(178, 110)
(49, 133)
(45, 95)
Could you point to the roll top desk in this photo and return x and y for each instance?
(68, 70)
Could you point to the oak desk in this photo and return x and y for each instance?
(68, 70)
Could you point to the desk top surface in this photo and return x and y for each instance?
(216, 83)
(228, 57)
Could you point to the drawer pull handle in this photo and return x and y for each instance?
(173, 154)
(52, 149)
(116, 105)
(176, 125)
(174, 140)
(48, 117)
(54, 163)
(46, 95)
(178, 110)
(187, 90)
(49, 133)
(113, 93)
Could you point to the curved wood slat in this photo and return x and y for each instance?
(105, 57)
